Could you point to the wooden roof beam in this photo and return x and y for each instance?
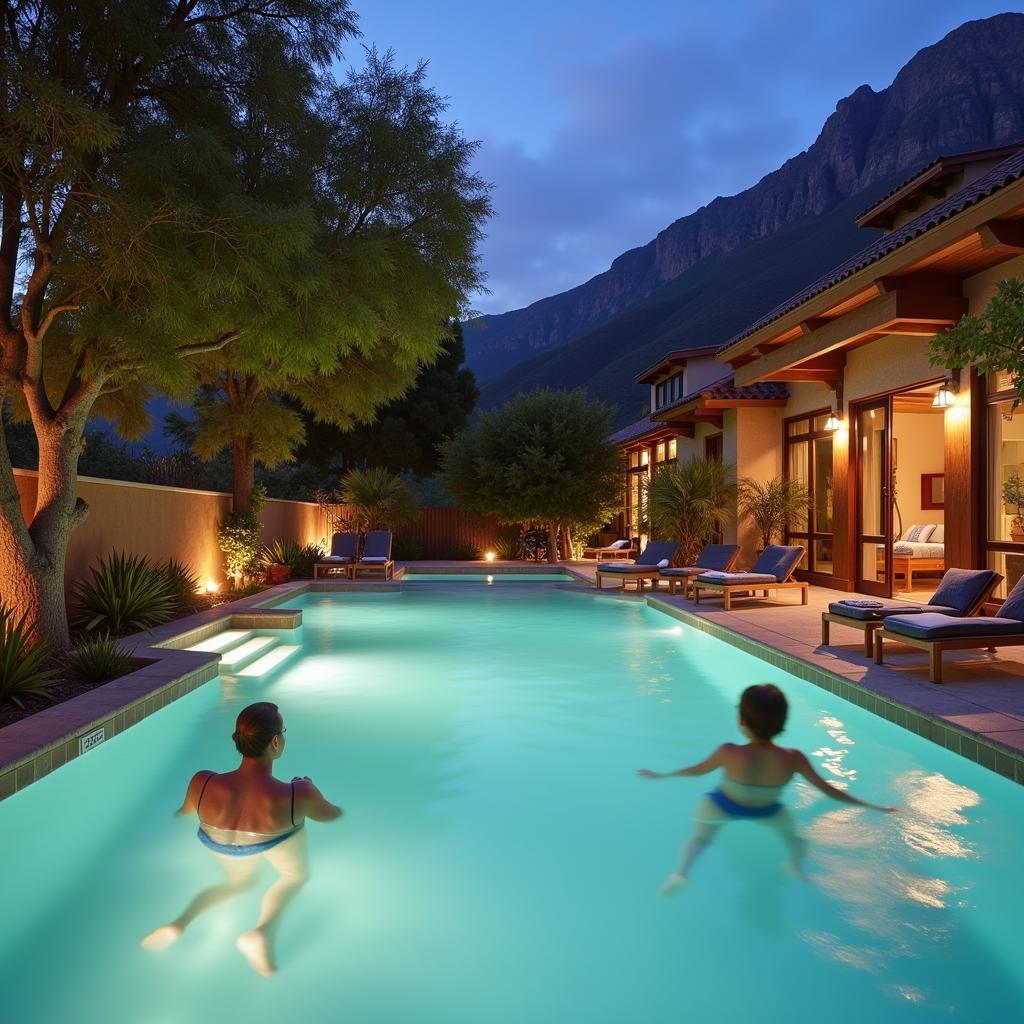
(1005, 235)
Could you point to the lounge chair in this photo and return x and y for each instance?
(344, 548)
(616, 550)
(713, 557)
(773, 570)
(961, 592)
(936, 633)
(650, 561)
(376, 555)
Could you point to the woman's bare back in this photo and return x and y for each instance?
(759, 764)
(243, 801)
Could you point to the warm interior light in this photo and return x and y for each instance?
(212, 586)
(833, 422)
(944, 398)
(489, 555)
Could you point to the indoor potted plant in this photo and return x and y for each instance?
(1013, 494)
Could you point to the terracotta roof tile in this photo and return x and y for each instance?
(1009, 171)
(637, 429)
(724, 389)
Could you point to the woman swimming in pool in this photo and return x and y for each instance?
(245, 816)
(755, 774)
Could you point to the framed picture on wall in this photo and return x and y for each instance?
(933, 490)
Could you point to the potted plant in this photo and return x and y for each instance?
(772, 505)
(278, 559)
(1013, 494)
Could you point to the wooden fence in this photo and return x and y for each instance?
(174, 522)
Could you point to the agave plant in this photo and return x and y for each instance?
(125, 594)
(183, 582)
(24, 663)
(506, 545)
(772, 505)
(281, 552)
(690, 502)
(379, 499)
(100, 659)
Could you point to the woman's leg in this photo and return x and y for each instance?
(291, 862)
(240, 874)
(703, 833)
(785, 826)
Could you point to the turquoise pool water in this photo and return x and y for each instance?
(490, 577)
(499, 861)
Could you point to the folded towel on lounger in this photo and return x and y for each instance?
(861, 604)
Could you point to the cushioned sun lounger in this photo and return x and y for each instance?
(376, 555)
(646, 567)
(617, 550)
(714, 557)
(344, 548)
(773, 570)
(938, 633)
(961, 592)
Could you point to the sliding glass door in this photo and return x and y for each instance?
(874, 497)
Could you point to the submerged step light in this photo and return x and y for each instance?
(244, 653)
(222, 641)
(270, 661)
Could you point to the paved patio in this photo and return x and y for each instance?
(983, 693)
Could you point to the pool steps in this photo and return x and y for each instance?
(243, 654)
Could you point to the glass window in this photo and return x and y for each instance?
(672, 449)
(645, 456)
(819, 422)
(634, 460)
(998, 382)
(659, 452)
(796, 427)
(1006, 473)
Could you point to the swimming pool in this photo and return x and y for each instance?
(499, 860)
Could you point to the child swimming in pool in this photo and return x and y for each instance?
(247, 816)
(755, 774)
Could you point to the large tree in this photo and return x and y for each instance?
(398, 214)
(128, 245)
(543, 458)
(405, 433)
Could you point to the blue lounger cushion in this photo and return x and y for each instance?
(930, 626)
(778, 560)
(961, 589)
(1013, 606)
(625, 567)
(336, 559)
(683, 570)
(730, 578)
(344, 546)
(716, 556)
(888, 608)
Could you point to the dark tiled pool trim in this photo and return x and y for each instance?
(980, 749)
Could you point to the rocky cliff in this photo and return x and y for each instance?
(965, 92)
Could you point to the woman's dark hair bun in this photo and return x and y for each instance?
(255, 727)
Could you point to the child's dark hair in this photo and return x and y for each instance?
(763, 710)
(255, 727)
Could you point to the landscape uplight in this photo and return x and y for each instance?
(489, 555)
(212, 586)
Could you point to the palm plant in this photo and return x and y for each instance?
(100, 659)
(772, 505)
(378, 498)
(24, 663)
(183, 582)
(690, 502)
(125, 594)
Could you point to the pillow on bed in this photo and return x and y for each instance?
(663, 564)
(938, 535)
(619, 545)
(918, 534)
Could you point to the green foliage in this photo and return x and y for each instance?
(506, 546)
(183, 583)
(254, 586)
(124, 594)
(690, 502)
(1013, 494)
(299, 557)
(99, 659)
(462, 551)
(408, 549)
(544, 458)
(992, 340)
(378, 498)
(773, 505)
(239, 538)
(25, 669)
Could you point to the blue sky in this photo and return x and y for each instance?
(601, 123)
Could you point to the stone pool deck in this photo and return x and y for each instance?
(978, 711)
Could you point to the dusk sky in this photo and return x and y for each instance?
(602, 123)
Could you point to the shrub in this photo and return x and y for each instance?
(379, 499)
(184, 584)
(308, 555)
(299, 557)
(408, 549)
(506, 546)
(25, 670)
(239, 538)
(772, 505)
(100, 659)
(125, 594)
(254, 586)
(462, 552)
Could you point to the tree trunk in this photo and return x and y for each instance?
(243, 472)
(552, 542)
(567, 533)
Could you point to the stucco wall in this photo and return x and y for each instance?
(886, 365)
(758, 455)
(980, 288)
(703, 371)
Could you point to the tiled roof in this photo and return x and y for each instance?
(1009, 171)
(724, 389)
(643, 426)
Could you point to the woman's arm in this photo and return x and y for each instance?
(311, 803)
(806, 769)
(709, 764)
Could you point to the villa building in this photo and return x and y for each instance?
(834, 388)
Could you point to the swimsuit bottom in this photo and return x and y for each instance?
(245, 849)
(735, 810)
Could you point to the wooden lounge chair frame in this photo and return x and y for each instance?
(686, 582)
(869, 626)
(388, 567)
(641, 573)
(329, 569)
(751, 587)
(599, 553)
(935, 648)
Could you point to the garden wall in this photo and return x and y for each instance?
(173, 522)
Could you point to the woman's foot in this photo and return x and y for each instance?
(255, 948)
(162, 937)
(673, 884)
